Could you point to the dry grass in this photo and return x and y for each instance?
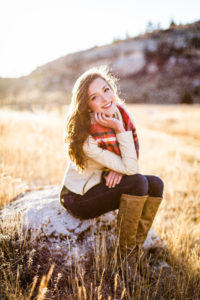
(32, 155)
(31, 150)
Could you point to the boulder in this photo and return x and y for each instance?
(49, 223)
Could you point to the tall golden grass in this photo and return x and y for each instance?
(32, 155)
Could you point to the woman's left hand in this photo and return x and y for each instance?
(110, 122)
(113, 178)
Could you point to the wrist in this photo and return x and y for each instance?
(120, 129)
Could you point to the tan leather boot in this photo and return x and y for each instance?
(130, 211)
(148, 214)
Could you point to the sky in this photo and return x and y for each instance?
(34, 32)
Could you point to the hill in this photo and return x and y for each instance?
(158, 67)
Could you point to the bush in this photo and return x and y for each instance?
(186, 98)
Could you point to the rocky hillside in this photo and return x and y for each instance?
(158, 67)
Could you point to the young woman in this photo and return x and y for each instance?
(103, 149)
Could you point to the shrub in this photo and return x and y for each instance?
(186, 98)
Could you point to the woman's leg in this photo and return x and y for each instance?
(101, 199)
(156, 186)
(150, 208)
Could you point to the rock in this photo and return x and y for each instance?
(130, 64)
(50, 224)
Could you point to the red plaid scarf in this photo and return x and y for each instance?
(106, 136)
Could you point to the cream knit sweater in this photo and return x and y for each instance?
(98, 159)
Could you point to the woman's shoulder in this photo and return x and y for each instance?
(89, 142)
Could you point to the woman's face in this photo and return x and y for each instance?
(101, 97)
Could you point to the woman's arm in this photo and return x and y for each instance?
(126, 163)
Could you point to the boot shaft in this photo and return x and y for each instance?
(148, 214)
(130, 211)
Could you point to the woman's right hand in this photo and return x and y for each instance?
(110, 122)
(113, 178)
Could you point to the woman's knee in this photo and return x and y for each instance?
(160, 186)
(156, 186)
(139, 185)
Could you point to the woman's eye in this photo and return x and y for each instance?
(93, 98)
(106, 89)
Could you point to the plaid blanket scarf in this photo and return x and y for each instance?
(106, 137)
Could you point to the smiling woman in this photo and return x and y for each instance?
(102, 174)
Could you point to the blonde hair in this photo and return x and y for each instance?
(78, 119)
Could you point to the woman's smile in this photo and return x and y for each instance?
(108, 105)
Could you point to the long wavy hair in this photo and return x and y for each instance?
(78, 118)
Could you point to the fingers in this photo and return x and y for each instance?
(113, 178)
(101, 118)
(109, 179)
(106, 121)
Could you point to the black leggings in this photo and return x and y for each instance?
(101, 199)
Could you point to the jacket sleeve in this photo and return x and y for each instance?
(127, 163)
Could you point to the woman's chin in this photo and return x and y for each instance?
(110, 112)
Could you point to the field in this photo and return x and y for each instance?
(32, 155)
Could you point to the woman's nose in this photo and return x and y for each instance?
(105, 98)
